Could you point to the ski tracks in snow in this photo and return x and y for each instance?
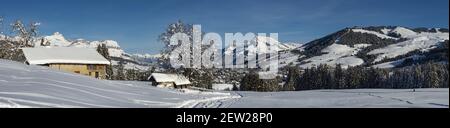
(405, 101)
(392, 98)
(211, 102)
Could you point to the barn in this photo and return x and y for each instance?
(169, 80)
(85, 61)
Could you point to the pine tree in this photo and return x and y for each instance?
(418, 77)
(292, 78)
(433, 76)
(250, 82)
(120, 72)
(339, 77)
(103, 50)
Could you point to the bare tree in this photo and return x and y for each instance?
(178, 27)
(26, 33)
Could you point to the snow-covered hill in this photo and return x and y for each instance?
(423, 41)
(373, 45)
(337, 54)
(35, 86)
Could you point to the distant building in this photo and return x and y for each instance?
(223, 87)
(169, 80)
(86, 61)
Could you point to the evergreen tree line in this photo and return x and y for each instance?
(202, 78)
(252, 82)
(118, 72)
(430, 75)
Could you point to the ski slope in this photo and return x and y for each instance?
(337, 54)
(423, 41)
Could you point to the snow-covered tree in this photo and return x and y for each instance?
(26, 33)
(178, 27)
(432, 76)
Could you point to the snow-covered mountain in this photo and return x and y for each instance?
(371, 46)
(423, 41)
(2, 37)
(260, 44)
(5, 37)
(381, 46)
(149, 56)
(57, 39)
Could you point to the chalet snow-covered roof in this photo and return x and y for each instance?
(177, 79)
(66, 55)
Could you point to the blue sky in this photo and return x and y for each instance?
(136, 24)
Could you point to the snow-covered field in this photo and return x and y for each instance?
(33, 86)
(352, 98)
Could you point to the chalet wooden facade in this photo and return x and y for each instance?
(93, 70)
(85, 61)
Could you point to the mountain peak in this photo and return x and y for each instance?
(372, 45)
(57, 39)
(57, 33)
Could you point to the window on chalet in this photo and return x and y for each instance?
(92, 67)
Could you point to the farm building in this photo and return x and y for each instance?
(85, 61)
(169, 80)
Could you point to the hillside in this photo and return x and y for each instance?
(34, 86)
(383, 46)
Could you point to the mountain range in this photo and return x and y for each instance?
(375, 46)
